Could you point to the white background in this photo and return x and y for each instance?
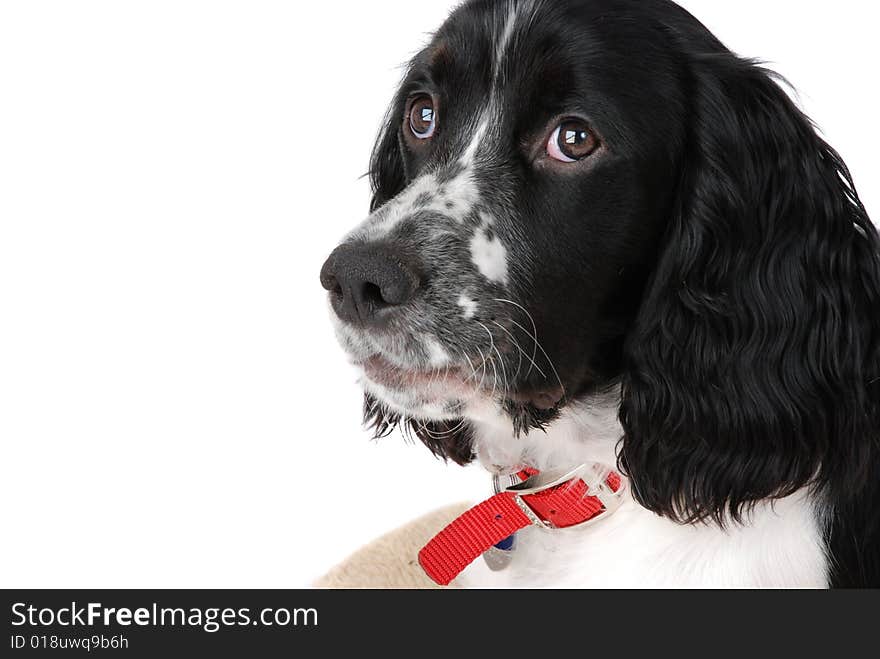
(174, 411)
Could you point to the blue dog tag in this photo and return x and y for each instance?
(499, 557)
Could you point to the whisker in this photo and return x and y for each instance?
(504, 381)
(521, 351)
(534, 337)
(483, 357)
(546, 356)
(493, 347)
(494, 377)
(471, 364)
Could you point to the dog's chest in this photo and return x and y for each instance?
(634, 548)
(780, 545)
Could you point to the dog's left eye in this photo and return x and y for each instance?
(423, 117)
(572, 141)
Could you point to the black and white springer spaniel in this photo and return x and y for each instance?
(598, 237)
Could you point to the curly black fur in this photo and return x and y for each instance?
(753, 369)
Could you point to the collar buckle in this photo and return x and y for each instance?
(595, 476)
(589, 493)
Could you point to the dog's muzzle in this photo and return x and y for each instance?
(368, 283)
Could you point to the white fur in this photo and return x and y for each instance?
(468, 306)
(437, 355)
(505, 38)
(780, 546)
(476, 141)
(489, 255)
(454, 200)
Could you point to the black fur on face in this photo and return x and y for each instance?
(711, 257)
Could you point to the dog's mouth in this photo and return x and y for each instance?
(450, 388)
(449, 380)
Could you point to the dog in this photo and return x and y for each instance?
(600, 238)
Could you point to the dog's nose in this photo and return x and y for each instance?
(367, 282)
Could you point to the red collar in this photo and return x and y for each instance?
(550, 500)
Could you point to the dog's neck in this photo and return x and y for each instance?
(780, 545)
(585, 432)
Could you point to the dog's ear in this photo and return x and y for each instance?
(387, 170)
(754, 366)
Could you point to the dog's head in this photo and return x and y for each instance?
(577, 195)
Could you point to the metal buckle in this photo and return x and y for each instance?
(594, 476)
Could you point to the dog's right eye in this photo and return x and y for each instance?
(573, 140)
(423, 117)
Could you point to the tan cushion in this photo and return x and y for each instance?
(392, 560)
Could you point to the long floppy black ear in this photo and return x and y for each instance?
(754, 366)
(387, 171)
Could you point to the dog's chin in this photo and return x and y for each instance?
(450, 397)
(424, 395)
(412, 405)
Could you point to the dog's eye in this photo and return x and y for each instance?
(423, 117)
(572, 141)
